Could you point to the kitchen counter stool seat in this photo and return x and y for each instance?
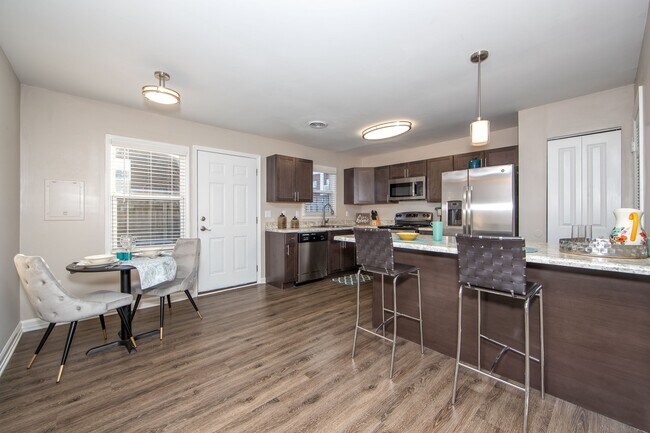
(497, 265)
(375, 255)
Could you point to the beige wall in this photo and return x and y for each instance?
(63, 137)
(501, 138)
(609, 109)
(643, 79)
(9, 197)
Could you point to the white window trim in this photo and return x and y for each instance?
(147, 145)
(329, 170)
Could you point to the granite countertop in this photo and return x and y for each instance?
(545, 254)
(310, 229)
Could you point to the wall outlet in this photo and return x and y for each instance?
(347, 213)
(267, 214)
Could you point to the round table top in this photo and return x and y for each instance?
(72, 267)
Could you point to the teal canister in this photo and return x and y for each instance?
(474, 163)
(437, 230)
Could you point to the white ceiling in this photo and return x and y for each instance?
(269, 67)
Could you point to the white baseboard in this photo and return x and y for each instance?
(33, 324)
(9, 348)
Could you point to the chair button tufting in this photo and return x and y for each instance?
(60, 298)
(78, 308)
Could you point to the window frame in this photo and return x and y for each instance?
(328, 170)
(150, 146)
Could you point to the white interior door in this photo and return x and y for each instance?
(226, 219)
(584, 184)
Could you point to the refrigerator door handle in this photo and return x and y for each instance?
(464, 216)
(470, 216)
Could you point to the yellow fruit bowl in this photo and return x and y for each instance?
(407, 236)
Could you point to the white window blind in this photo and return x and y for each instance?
(324, 185)
(148, 197)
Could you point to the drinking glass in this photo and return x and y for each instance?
(578, 231)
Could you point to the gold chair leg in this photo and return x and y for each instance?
(58, 378)
(32, 361)
(135, 346)
(161, 332)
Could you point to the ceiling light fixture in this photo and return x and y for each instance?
(386, 130)
(161, 94)
(318, 124)
(479, 129)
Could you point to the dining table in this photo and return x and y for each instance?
(158, 265)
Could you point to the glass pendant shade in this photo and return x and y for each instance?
(161, 95)
(479, 130)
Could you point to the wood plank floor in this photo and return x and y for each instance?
(263, 359)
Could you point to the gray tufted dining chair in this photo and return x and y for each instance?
(54, 305)
(186, 254)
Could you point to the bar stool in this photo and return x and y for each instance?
(375, 255)
(497, 265)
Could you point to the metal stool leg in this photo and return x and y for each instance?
(392, 357)
(459, 338)
(383, 308)
(478, 356)
(356, 327)
(541, 341)
(420, 308)
(527, 362)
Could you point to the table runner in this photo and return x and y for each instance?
(154, 271)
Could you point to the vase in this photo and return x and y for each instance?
(628, 230)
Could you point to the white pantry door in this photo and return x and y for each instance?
(584, 184)
(226, 220)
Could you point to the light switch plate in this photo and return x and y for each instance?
(267, 214)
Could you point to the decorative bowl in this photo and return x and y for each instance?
(407, 236)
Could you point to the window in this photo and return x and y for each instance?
(324, 184)
(148, 192)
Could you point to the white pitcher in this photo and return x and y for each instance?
(628, 230)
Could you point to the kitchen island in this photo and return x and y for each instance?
(596, 318)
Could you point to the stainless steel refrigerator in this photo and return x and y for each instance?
(480, 201)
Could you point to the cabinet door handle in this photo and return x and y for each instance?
(287, 249)
(298, 195)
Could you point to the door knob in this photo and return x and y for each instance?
(205, 229)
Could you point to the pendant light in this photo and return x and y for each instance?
(479, 129)
(161, 94)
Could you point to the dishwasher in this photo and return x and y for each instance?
(312, 256)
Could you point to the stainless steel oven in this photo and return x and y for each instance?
(409, 188)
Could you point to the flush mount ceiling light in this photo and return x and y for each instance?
(318, 124)
(386, 130)
(479, 129)
(161, 94)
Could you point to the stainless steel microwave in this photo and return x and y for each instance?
(409, 188)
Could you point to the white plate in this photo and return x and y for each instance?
(100, 259)
(87, 264)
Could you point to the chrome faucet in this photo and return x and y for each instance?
(326, 220)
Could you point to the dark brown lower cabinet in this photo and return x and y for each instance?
(341, 255)
(281, 259)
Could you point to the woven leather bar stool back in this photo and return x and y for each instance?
(375, 255)
(497, 265)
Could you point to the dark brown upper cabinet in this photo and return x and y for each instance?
(289, 179)
(381, 184)
(408, 169)
(502, 156)
(435, 168)
(359, 185)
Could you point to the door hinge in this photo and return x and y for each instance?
(257, 220)
(257, 172)
(257, 268)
